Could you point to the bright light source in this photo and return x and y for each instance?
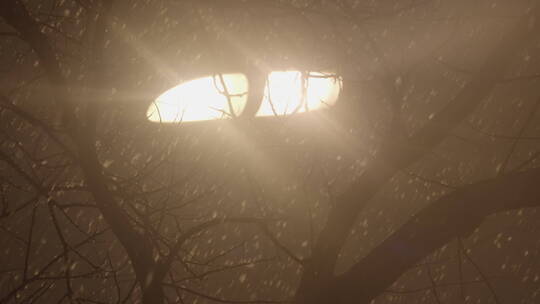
(213, 97)
(289, 92)
(201, 99)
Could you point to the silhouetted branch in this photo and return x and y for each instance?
(528, 121)
(221, 300)
(452, 216)
(393, 157)
(485, 279)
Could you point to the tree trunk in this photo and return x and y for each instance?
(153, 294)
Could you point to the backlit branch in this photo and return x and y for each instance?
(454, 215)
(393, 157)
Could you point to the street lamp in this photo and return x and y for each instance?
(225, 96)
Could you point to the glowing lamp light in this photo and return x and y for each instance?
(225, 96)
(291, 92)
(205, 98)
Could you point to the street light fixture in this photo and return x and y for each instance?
(224, 96)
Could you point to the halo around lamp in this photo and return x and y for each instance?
(224, 96)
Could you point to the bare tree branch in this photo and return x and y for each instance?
(454, 215)
(393, 157)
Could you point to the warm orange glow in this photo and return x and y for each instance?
(201, 99)
(208, 98)
(289, 92)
